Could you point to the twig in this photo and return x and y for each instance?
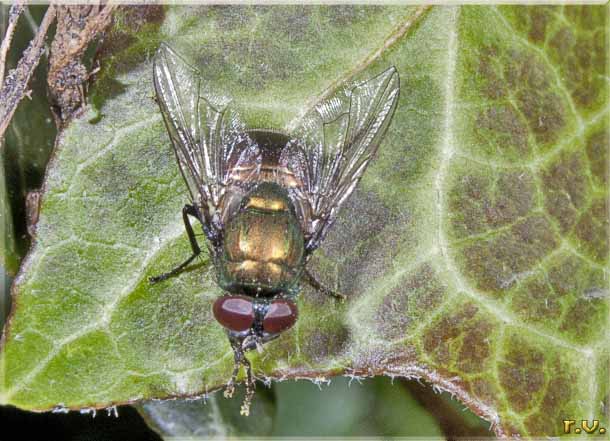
(13, 17)
(77, 26)
(16, 83)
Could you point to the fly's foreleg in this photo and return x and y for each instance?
(237, 356)
(315, 284)
(250, 386)
(186, 211)
(240, 360)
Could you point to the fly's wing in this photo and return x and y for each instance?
(336, 142)
(208, 138)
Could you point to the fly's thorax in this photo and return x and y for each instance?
(267, 164)
(263, 245)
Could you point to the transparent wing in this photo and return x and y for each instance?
(336, 142)
(208, 138)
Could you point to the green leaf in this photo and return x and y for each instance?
(474, 252)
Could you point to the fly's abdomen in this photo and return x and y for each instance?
(263, 245)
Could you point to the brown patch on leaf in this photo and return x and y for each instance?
(587, 317)
(322, 344)
(295, 21)
(539, 109)
(562, 275)
(448, 336)
(540, 105)
(477, 203)
(583, 58)
(232, 17)
(380, 360)
(486, 391)
(467, 199)
(521, 374)
(535, 302)
(554, 402)
(437, 340)
(563, 40)
(584, 290)
(362, 212)
(565, 189)
(475, 351)
(539, 20)
(495, 87)
(366, 239)
(592, 230)
(496, 264)
(392, 317)
(544, 112)
(597, 152)
(412, 299)
(588, 18)
(590, 54)
(503, 127)
(342, 15)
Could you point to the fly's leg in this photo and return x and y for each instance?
(313, 282)
(240, 359)
(186, 211)
(178, 269)
(245, 406)
(238, 355)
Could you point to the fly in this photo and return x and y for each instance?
(265, 199)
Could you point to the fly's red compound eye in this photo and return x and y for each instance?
(235, 313)
(281, 315)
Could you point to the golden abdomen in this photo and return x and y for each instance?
(263, 244)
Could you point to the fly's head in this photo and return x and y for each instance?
(251, 322)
